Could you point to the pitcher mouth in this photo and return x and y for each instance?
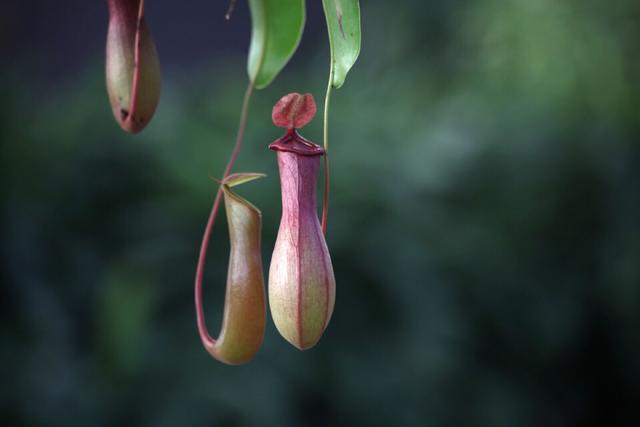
(293, 142)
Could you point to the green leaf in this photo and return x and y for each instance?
(343, 24)
(276, 31)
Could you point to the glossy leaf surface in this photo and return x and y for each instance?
(343, 25)
(276, 31)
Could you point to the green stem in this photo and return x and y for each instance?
(325, 138)
(207, 340)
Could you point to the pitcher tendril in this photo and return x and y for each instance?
(205, 337)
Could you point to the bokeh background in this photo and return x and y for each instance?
(484, 225)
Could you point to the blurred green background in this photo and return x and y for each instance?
(484, 224)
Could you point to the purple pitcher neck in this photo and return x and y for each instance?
(298, 162)
(298, 176)
(293, 142)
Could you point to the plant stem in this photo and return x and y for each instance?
(325, 137)
(207, 340)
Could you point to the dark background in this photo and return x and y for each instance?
(484, 224)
